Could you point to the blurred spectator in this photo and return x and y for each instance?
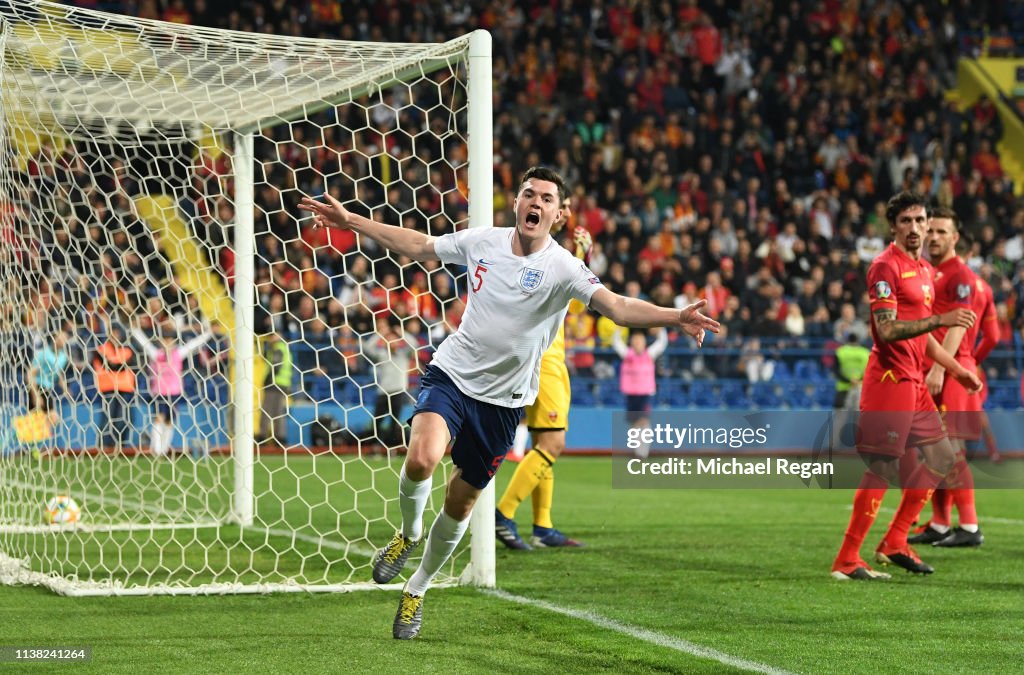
(115, 381)
(277, 386)
(580, 343)
(46, 376)
(393, 357)
(754, 364)
(167, 369)
(850, 325)
(637, 380)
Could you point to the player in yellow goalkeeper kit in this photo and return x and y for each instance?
(547, 420)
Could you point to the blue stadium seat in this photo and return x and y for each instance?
(608, 394)
(734, 395)
(672, 392)
(349, 391)
(808, 370)
(190, 388)
(824, 394)
(583, 396)
(703, 395)
(583, 391)
(1003, 395)
(87, 383)
(319, 389)
(795, 396)
(782, 372)
(763, 395)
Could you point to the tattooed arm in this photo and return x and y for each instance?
(891, 330)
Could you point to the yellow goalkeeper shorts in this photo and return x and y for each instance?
(551, 409)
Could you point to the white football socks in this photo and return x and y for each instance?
(519, 444)
(412, 500)
(445, 535)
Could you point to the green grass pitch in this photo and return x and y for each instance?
(665, 575)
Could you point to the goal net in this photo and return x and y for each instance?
(200, 393)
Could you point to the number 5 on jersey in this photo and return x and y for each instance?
(478, 275)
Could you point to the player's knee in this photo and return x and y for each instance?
(419, 461)
(418, 465)
(887, 469)
(551, 444)
(552, 450)
(941, 457)
(458, 510)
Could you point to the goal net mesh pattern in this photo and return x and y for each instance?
(122, 191)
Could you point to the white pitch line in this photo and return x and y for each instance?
(313, 539)
(650, 636)
(982, 519)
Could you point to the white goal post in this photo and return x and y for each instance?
(147, 203)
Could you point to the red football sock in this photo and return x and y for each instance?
(963, 494)
(919, 490)
(866, 503)
(942, 504)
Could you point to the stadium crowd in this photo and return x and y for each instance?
(736, 151)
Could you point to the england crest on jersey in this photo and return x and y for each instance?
(531, 279)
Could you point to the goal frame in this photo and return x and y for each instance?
(481, 569)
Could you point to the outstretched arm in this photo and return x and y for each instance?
(659, 345)
(146, 345)
(617, 344)
(331, 213)
(637, 313)
(195, 343)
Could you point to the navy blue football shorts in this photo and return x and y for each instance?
(483, 432)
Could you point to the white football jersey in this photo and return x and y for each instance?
(516, 305)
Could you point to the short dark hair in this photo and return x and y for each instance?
(544, 173)
(902, 201)
(964, 244)
(945, 212)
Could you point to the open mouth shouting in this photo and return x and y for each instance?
(532, 219)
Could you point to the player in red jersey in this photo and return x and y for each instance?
(989, 339)
(936, 532)
(955, 286)
(896, 410)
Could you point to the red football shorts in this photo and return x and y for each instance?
(961, 410)
(895, 415)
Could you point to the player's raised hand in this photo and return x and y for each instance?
(327, 212)
(958, 317)
(694, 324)
(583, 241)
